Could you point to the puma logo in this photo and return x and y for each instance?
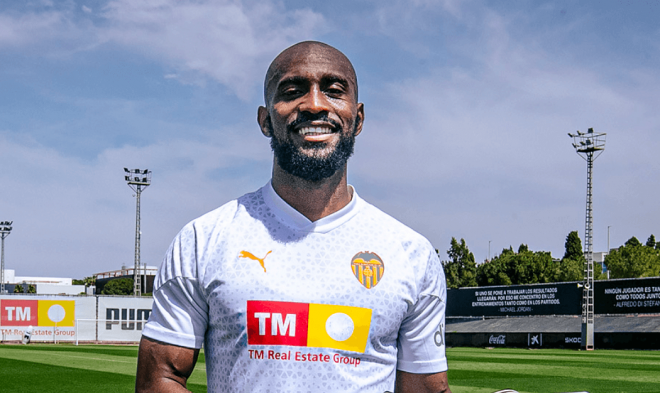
(249, 255)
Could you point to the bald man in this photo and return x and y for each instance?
(300, 285)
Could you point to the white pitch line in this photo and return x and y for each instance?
(203, 369)
(107, 360)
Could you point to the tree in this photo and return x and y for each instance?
(570, 270)
(32, 288)
(633, 260)
(119, 286)
(523, 267)
(461, 269)
(18, 288)
(573, 247)
(87, 281)
(571, 267)
(651, 241)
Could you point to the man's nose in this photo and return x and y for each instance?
(315, 101)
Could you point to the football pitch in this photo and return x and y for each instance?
(104, 368)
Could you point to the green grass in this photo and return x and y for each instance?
(104, 368)
(478, 370)
(68, 368)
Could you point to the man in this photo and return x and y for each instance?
(301, 285)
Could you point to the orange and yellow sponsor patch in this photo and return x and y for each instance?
(308, 325)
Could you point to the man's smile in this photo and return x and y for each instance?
(316, 133)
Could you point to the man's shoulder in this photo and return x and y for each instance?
(227, 212)
(391, 226)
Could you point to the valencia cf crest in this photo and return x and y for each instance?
(368, 268)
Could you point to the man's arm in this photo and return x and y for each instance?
(422, 383)
(163, 367)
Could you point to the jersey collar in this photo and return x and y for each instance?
(296, 221)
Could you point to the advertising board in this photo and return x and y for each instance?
(624, 296)
(51, 318)
(517, 340)
(609, 340)
(538, 299)
(627, 296)
(124, 317)
(73, 318)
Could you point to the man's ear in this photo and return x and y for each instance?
(359, 119)
(263, 118)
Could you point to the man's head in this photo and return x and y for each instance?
(311, 115)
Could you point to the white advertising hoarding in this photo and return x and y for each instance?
(52, 318)
(73, 318)
(124, 317)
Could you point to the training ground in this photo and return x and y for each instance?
(101, 368)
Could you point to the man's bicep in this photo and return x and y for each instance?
(163, 367)
(423, 383)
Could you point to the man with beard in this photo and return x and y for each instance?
(300, 285)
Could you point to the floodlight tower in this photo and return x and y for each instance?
(138, 180)
(5, 230)
(589, 146)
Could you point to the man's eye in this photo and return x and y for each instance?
(291, 92)
(334, 92)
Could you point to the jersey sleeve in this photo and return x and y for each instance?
(179, 314)
(421, 343)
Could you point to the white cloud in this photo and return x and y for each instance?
(19, 30)
(474, 146)
(74, 217)
(231, 42)
(482, 148)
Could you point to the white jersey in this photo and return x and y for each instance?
(283, 304)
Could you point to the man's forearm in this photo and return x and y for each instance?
(421, 383)
(163, 367)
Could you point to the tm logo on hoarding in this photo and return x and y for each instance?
(130, 318)
(20, 312)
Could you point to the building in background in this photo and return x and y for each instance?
(599, 262)
(42, 285)
(146, 274)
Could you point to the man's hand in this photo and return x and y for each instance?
(421, 383)
(163, 367)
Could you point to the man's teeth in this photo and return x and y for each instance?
(315, 130)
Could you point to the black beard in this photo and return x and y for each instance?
(312, 169)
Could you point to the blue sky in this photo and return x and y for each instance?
(468, 105)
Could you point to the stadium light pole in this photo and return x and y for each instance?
(5, 230)
(589, 146)
(138, 180)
